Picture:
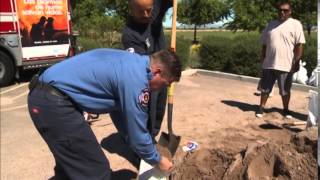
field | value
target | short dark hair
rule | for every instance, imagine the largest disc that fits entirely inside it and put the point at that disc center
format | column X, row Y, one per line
column 170, row 61
column 282, row 2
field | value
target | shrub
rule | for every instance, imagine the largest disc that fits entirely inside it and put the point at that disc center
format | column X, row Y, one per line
column 182, row 49
column 245, row 55
column 310, row 54
column 215, row 53
column 241, row 54
column 85, row 44
column 194, row 59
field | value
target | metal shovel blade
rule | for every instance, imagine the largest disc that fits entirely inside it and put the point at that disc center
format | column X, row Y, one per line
column 170, row 141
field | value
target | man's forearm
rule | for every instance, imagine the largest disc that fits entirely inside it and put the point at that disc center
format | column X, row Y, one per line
column 298, row 50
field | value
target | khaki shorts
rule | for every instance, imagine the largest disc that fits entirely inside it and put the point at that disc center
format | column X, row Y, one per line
column 269, row 77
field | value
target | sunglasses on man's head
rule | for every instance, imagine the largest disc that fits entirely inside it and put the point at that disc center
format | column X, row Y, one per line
column 284, row 10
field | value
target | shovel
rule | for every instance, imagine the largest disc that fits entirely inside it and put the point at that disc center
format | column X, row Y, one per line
column 170, row 140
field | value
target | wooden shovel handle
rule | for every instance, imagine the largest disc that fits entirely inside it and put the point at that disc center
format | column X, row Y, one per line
column 173, row 48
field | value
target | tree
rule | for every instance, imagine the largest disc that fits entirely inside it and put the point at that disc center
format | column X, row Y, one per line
column 306, row 12
column 254, row 15
column 85, row 12
column 201, row 12
column 119, row 7
column 107, row 15
column 251, row 15
column 95, row 20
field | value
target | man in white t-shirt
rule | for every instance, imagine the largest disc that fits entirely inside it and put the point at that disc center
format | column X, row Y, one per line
column 282, row 41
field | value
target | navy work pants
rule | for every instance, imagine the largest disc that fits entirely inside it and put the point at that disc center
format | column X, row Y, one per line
column 76, row 151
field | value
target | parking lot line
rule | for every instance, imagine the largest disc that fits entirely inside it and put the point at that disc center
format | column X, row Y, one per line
column 14, row 108
column 17, row 97
column 14, row 88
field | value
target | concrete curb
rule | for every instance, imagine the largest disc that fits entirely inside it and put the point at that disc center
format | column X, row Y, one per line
column 295, row 86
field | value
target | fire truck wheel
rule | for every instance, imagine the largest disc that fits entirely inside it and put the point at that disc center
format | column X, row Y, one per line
column 6, row 69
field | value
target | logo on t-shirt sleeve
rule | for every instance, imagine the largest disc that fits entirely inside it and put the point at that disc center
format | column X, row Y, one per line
column 144, row 98
column 148, row 43
column 131, row 49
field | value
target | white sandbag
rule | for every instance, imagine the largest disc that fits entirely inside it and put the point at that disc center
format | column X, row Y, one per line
column 301, row 76
column 313, row 116
column 314, row 78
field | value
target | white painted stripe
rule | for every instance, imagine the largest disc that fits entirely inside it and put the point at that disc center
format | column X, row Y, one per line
column 13, row 108
column 19, row 96
column 7, row 13
column 8, row 18
column 13, row 8
column 14, row 88
column 40, row 51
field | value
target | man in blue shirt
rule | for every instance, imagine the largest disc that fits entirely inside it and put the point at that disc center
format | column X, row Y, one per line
column 99, row 81
column 143, row 34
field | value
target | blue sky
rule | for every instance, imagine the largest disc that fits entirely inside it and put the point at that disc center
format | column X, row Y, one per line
column 168, row 19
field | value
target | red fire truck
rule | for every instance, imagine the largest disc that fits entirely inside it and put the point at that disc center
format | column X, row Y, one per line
column 33, row 34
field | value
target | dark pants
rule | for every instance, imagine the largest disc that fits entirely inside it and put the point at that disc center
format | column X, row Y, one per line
column 269, row 77
column 157, row 109
column 75, row 148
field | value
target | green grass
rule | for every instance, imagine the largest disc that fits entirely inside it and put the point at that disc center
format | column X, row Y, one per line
column 200, row 34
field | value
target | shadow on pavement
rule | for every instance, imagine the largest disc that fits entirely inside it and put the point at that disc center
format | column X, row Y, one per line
column 115, row 144
column 241, row 105
column 250, row 107
column 26, row 75
column 269, row 126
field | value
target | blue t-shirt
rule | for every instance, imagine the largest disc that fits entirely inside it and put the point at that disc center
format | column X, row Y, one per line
column 110, row 81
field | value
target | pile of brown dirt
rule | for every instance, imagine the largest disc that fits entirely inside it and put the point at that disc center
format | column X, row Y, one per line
column 205, row 163
column 260, row 160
